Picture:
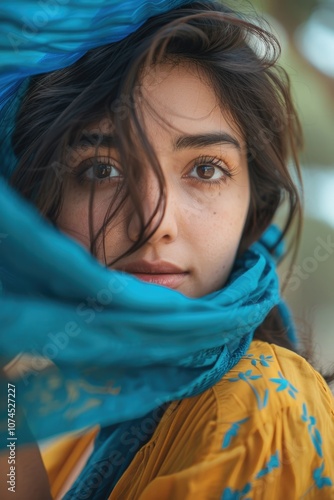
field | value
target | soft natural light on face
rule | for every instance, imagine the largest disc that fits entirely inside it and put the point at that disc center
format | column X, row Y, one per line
column 203, row 160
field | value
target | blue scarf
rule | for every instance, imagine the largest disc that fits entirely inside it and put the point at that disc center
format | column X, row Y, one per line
column 119, row 347
column 97, row 346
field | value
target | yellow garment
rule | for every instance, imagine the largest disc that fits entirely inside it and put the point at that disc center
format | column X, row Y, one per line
column 60, row 458
column 265, row 431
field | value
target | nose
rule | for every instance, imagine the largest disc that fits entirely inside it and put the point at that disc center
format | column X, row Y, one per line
column 168, row 229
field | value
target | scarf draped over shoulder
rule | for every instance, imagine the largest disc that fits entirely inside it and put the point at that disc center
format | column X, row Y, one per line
column 88, row 345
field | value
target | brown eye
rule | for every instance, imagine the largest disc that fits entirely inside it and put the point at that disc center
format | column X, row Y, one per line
column 99, row 170
column 209, row 170
column 205, row 171
column 102, row 171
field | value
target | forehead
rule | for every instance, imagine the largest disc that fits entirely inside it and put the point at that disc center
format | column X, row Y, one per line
column 168, row 85
column 182, row 94
column 174, row 100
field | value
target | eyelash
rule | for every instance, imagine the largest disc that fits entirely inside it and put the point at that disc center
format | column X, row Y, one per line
column 80, row 173
column 216, row 162
column 201, row 161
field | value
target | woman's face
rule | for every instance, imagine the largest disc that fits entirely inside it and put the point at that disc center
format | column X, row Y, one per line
column 203, row 160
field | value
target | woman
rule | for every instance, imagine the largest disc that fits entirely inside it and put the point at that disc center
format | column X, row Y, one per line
column 165, row 155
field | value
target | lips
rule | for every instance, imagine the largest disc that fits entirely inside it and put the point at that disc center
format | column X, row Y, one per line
column 156, row 267
column 158, row 272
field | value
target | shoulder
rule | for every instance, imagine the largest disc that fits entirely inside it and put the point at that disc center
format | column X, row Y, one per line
column 281, row 414
column 250, row 435
column 268, row 384
column 272, row 377
column 272, row 393
column 272, row 386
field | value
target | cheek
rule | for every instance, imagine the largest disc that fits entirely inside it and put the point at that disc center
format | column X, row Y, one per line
column 73, row 219
column 75, row 226
column 218, row 225
column 225, row 214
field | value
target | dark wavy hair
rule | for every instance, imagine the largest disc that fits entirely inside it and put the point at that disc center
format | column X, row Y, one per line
column 240, row 60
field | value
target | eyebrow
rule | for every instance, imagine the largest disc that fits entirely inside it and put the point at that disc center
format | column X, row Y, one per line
column 181, row 142
column 202, row 140
column 97, row 140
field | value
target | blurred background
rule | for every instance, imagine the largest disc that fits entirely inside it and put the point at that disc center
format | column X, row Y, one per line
column 305, row 29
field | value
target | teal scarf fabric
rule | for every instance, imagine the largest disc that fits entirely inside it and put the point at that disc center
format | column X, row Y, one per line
column 39, row 36
column 119, row 347
column 96, row 346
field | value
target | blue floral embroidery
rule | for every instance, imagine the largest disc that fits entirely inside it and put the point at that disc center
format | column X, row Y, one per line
column 313, row 431
column 273, row 463
column 262, row 359
column 246, row 377
column 229, row 494
column 232, row 432
column 319, row 479
column 284, row 384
